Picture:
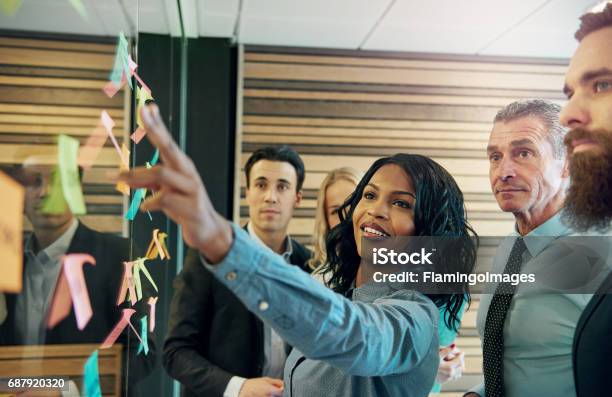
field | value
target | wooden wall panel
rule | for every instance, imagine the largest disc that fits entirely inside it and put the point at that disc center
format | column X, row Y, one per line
column 348, row 108
column 51, row 87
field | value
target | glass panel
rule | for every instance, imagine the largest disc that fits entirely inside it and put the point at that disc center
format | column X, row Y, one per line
column 81, row 289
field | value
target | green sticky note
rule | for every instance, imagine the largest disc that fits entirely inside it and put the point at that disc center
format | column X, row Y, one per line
column 55, row 203
column 68, row 151
column 10, row 7
column 78, row 5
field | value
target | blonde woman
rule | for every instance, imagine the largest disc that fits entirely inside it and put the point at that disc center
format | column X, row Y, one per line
column 335, row 189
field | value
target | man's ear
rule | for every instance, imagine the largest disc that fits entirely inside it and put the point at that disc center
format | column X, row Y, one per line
column 298, row 198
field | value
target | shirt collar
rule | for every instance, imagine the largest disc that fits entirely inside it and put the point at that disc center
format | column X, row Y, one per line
column 288, row 246
column 540, row 237
column 58, row 248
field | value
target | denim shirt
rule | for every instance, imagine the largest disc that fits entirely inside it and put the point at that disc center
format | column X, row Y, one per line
column 381, row 342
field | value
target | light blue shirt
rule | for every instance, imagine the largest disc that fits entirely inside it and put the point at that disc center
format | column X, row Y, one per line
column 539, row 327
column 381, row 341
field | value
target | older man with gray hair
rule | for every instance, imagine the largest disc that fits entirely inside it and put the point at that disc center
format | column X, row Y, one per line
column 527, row 337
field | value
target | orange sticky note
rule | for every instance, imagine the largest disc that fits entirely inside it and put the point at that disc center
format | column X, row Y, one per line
column 122, row 186
column 127, row 285
column 138, row 135
column 61, row 302
column 158, row 246
column 89, row 152
column 11, row 231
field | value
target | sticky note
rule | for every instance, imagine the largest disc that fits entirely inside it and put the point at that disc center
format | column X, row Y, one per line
column 157, row 246
column 90, row 151
column 138, row 135
column 68, row 151
column 11, row 234
column 135, row 204
column 109, row 123
column 138, row 267
column 121, row 65
column 54, row 202
column 127, row 285
column 155, row 157
column 61, row 303
column 10, row 7
column 144, row 340
column 110, row 89
column 122, row 186
column 78, row 5
column 152, row 302
column 123, row 322
column 73, row 269
column 91, row 376
column 133, row 66
column 142, row 96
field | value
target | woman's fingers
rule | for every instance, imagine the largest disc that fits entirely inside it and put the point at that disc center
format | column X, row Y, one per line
column 158, row 178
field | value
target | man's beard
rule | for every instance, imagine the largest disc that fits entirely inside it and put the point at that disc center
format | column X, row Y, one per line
column 588, row 204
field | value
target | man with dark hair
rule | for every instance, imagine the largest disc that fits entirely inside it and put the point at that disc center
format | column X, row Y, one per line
column 588, row 113
column 215, row 346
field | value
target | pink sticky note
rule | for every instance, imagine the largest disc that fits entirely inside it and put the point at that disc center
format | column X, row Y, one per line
column 127, row 285
column 133, row 66
column 108, row 124
column 73, row 269
column 61, row 302
column 138, row 135
column 89, row 152
column 152, row 301
column 124, row 322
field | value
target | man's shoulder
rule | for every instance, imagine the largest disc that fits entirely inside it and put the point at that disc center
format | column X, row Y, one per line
column 300, row 254
column 93, row 241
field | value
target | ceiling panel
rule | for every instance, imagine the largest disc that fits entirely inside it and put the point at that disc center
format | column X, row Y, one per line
column 53, row 16
column 448, row 26
column 314, row 23
column 549, row 32
column 217, row 18
column 153, row 17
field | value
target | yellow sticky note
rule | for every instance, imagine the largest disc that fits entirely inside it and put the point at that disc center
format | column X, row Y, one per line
column 142, row 96
column 78, row 5
column 11, row 230
column 122, row 186
column 68, row 152
column 10, row 7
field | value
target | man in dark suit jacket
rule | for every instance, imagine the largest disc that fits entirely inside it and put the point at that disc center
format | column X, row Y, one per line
column 215, row 346
column 588, row 85
column 52, row 237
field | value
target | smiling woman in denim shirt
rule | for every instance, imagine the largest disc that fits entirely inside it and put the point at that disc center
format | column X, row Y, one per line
column 364, row 339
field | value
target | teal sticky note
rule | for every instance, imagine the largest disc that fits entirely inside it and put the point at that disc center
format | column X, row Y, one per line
column 144, row 344
column 135, row 204
column 91, row 378
column 121, row 67
column 155, row 157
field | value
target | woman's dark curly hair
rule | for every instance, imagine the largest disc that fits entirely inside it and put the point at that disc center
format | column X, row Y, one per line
column 439, row 211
